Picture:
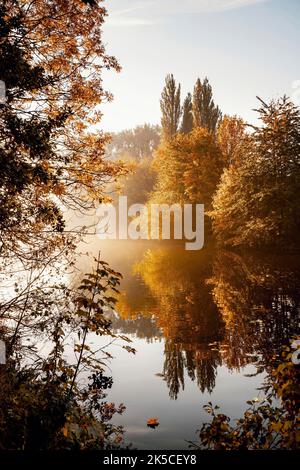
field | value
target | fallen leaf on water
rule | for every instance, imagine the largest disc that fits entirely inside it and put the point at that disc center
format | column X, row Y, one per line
column 152, row 423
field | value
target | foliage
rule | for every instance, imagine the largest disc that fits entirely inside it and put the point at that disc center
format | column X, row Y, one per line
column 265, row 424
column 231, row 134
column 51, row 60
column 170, row 108
column 35, row 414
column 187, row 122
column 189, row 167
column 44, row 405
column 256, row 203
column 206, row 114
column 53, row 83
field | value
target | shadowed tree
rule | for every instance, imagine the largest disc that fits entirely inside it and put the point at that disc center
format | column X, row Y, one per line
column 187, row 115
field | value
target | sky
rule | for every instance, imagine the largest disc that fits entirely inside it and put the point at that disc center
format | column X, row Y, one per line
column 245, row 47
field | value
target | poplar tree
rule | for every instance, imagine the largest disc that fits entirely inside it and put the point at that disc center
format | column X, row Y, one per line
column 206, row 113
column 170, row 107
column 187, row 115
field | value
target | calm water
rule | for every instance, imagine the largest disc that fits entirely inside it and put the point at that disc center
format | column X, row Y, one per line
column 199, row 321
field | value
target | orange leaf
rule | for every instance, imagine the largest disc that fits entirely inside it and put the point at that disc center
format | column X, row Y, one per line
column 152, row 422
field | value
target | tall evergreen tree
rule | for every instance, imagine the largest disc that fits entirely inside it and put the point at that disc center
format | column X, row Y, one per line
column 170, row 107
column 206, row 113
column 187, row 115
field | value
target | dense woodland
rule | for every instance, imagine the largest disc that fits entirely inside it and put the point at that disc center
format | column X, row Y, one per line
column 52, row 58
column 247, row 176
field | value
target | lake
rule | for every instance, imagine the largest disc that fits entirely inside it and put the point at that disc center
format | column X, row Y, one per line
column 199, row 321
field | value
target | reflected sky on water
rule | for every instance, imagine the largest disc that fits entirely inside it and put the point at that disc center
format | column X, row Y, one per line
column 199, row 321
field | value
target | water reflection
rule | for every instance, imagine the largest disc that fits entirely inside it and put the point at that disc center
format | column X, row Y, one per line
column 210, row 309
column 258, row 297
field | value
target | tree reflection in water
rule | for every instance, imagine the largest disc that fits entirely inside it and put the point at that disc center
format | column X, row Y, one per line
column 212, row 309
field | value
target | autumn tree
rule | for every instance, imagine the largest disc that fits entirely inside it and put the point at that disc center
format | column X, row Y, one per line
column 187, row 115
column 203, row 170
column 256, row 203
column 168, row 163
column 51, row 61
column 231, row 133
column 170, row 106
column 189, row 168
column 206, row 113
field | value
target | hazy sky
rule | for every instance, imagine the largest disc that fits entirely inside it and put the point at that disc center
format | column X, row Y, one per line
column 245, row 47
